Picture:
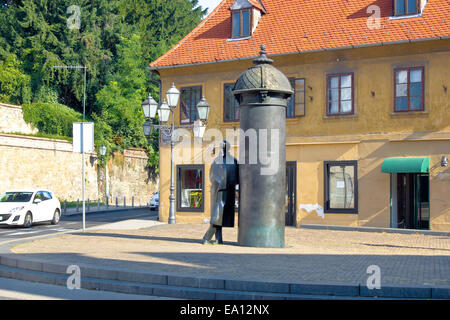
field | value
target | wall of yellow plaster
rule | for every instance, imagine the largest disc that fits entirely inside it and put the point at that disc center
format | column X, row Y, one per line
column 371, row 135
column 373, row 70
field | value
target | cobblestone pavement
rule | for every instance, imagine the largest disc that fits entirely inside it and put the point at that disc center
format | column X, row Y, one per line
column 310, row 255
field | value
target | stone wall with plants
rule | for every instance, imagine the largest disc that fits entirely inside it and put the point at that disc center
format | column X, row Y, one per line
column 11, row 120
column 35, row 162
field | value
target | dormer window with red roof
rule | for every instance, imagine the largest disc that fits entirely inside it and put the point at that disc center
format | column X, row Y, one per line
column 407, row 7
column 245, row 15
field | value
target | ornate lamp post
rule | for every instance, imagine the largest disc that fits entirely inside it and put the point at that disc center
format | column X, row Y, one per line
column 102, row 151
column 165, row 110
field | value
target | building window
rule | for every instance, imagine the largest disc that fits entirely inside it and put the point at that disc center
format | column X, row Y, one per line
column 340, row 94
column 241, row 23
column 190, row 187
column 409, row 89
column 190, row 97
column 406, row 7
column 230, row 104
column 341, row 186
column 296, row 104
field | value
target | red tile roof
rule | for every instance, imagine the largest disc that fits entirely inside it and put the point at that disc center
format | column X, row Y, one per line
column 293, row 26
column 257, row 4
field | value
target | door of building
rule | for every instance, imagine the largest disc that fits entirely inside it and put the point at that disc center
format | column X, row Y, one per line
column 291, row 193
column 412, row 201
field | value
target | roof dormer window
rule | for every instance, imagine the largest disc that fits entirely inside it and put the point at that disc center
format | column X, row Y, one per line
column 406, row 7
column 245, row 15
column 242, row 23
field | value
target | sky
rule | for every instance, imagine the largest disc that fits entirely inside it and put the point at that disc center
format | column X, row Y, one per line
column 210, row 4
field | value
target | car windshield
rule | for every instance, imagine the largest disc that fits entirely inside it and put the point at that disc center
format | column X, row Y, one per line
column 16, row 197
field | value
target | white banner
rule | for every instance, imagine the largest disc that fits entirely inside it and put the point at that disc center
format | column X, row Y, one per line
column 83, row 137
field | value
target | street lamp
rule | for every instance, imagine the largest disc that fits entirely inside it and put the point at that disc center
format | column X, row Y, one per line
column 173, row 95
column 149, row 106
column 102, row 150
column 203, row 109
column 165, row 110
column 203, row 114
column 147, row 128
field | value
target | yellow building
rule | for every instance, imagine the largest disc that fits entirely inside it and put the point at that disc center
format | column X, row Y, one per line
column 368, row 130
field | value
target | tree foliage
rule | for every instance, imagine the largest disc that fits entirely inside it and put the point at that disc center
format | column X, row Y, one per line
column 14, row 83
column 116, row 40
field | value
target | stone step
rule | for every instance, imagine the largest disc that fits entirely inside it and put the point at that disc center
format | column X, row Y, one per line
column 155, row 290
column 194, row 287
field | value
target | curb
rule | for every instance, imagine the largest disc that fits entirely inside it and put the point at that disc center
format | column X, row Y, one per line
column 194, row 287
column 376, row 230
column 110, row 209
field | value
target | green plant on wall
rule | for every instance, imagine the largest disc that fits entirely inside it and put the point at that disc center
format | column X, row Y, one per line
column 50, row 118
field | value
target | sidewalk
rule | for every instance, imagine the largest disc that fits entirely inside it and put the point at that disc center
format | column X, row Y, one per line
column 96, row 208
column 318, row 256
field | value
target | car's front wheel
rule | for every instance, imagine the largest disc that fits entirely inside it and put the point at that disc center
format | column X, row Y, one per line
column 56, row 217
column 28, row 222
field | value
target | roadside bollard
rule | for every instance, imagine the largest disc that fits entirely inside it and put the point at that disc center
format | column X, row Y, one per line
column 132, row 201
column 117, row 202
column 124, row 201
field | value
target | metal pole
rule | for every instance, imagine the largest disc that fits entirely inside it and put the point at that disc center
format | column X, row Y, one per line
column 82, row 127
column 172, row 219
column 82, row 144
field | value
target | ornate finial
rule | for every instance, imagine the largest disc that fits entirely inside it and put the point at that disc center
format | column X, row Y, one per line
column 263, row 49
column 263, row 59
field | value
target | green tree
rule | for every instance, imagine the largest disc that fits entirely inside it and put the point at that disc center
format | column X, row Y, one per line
column 37, row 31
column 161, row 23
column 14, row 83
column 37, row 34
column 121, row 99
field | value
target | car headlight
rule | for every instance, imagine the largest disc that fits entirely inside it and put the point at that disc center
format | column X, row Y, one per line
column 15, row 210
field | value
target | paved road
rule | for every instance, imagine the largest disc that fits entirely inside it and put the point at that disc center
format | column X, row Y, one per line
column 72, row 223
column 11, row 289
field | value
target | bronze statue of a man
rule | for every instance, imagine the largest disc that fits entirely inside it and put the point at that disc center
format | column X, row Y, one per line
column 224, row 176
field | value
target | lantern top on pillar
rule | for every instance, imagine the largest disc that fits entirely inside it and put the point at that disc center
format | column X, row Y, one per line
column 263, row 77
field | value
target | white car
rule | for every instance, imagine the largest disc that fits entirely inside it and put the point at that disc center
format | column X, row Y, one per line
column 25, row 207
column 154, row 202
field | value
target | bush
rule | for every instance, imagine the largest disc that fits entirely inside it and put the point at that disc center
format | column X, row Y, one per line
column 47, row 95
column 48, row 118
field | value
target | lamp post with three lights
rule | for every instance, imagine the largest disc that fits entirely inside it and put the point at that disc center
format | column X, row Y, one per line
column 165, row 110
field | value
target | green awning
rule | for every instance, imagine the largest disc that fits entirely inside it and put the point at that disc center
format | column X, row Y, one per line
column 406, row 165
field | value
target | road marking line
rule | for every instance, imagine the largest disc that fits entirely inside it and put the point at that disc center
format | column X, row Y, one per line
column 9, row 231
column 36, row 237
column 24, row 232
column 60, row 229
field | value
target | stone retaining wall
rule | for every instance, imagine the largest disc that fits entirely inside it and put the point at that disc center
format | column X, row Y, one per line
column 11, row 120
column 34, row 162
column 31, row 162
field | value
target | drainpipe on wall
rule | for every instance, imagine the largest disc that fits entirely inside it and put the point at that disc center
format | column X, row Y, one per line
column 152, row 72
